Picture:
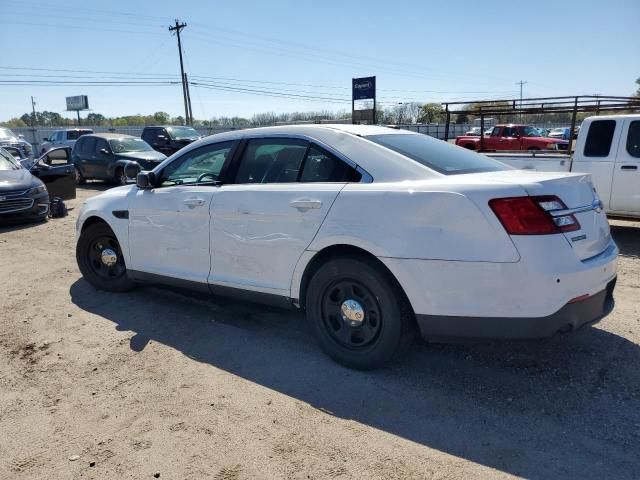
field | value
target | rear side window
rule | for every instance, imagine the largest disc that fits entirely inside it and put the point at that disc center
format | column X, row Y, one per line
column 88, row 146
column 321, row 166
column 271, row 160
column 633, row 139
column 436, row 154
column 599, row 138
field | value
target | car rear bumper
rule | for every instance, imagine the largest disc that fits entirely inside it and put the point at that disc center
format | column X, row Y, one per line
column 569, row 318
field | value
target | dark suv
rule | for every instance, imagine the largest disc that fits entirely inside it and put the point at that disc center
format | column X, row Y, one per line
column 169, row 139
column 104, row 156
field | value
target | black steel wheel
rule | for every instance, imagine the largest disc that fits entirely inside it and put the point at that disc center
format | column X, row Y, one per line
column 360, row 315
column 100, row 259
column 351, row 313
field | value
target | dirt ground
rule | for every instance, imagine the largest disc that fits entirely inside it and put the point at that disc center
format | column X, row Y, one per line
column 157, row 384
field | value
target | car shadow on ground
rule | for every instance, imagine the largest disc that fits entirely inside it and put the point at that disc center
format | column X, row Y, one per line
column 564, row 408
column 628, row 239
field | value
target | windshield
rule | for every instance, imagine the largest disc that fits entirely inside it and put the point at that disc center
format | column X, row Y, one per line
column 6, row 133
column 436, row 154
column 178, row 133
column 7, row 162
column 122, row 145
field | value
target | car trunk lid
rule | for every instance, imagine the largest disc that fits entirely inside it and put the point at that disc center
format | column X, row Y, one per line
column 580, row 197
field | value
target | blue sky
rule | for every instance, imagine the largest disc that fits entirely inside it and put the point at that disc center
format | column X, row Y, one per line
column 419, row 50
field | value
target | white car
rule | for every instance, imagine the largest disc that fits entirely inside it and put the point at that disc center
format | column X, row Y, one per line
column 376, row 233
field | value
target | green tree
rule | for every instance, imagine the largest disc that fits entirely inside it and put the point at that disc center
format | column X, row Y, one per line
column 161, row 117
column 638, row 90
column 95, row 119
column 430, row 113
column 14, row 123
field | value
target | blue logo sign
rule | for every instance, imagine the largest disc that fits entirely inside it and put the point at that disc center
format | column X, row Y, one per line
column 363, row 88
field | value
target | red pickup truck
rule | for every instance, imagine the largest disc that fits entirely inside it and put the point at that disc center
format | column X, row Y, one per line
column 512, row 137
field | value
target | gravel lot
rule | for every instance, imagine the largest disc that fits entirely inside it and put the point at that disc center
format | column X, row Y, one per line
column 100, row 385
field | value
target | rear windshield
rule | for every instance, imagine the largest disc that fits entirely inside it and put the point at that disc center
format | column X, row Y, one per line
column 438, row 155
column 75, row 134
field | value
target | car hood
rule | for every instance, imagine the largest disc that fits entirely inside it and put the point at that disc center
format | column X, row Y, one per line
column 16, row 179
column 149, row 156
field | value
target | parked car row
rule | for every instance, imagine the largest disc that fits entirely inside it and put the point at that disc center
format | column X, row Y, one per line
column 28, row 186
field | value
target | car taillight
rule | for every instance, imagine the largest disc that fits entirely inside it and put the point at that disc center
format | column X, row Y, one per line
column 533, row 215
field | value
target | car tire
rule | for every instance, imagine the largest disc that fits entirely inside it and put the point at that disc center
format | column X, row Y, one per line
column 368, row 333
column 100, row 259
column 533, row 149
column 470, row 146
column 121, row 177
column 80, row 180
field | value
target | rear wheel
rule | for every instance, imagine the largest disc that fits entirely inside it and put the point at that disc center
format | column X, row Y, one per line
column 80, row 180
column 533, row 149
column 470, row 146
column 100, row 259
column 360, row 317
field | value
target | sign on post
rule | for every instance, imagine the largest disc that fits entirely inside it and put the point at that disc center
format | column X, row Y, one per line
column 77, row 103
column 363, row 91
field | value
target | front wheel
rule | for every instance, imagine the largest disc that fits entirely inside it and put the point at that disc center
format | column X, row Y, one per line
column 121, row 177
column 360, row 317
column 100, row 259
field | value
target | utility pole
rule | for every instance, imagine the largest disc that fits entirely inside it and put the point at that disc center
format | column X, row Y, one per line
column 521, row 83
column 33, row 120
column 178, row 28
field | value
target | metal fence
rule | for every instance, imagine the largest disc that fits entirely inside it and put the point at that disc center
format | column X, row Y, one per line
column 37, row 135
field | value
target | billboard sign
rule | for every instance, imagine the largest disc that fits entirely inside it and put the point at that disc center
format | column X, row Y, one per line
column 79, row 102
column 363, row 88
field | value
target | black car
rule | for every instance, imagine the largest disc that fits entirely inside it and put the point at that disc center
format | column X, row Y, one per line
column 25, row 193
column 169, row 139
column 104, row 156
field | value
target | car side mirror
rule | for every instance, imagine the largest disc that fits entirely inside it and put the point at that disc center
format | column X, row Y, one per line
column 131, row 170
column 145, row 180
column 45, row 139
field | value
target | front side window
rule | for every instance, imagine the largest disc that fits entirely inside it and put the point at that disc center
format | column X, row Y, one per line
column 321, row 166
column 495, row 132
column 531, row 132
column 509, row 132
column 274, row 160
column 101, row 144
column 202, row 165
column 125, row 145
column 633, row 139
column 599, row 138
column 437, row 155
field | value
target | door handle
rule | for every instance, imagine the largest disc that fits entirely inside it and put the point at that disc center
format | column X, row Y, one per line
column 193, row 202
column 629, row 167
column 305, row 204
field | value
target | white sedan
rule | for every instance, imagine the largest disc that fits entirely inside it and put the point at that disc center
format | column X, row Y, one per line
column 376, row 233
